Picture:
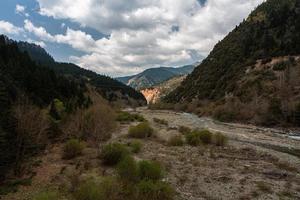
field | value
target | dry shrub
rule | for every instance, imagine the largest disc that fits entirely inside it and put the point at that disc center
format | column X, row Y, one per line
column 94, row 124
column 176, row 140
column 142, row 130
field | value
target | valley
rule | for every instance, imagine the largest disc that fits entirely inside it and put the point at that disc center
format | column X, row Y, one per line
column 252, row 164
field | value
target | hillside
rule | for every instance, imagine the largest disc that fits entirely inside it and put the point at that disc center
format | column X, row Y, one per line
column 155, row 76
column 109, row 88
column 155, row 93
column 252, row 74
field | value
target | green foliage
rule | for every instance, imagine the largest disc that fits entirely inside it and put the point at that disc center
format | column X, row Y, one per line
column 198, row 137
column 220, row 139
column 57, row 109
column 150, row 170
column 281, row 66
column 161, row 121
column 135, row 146
column 142, row 130
column 72, row 149
column 113, row 153
column 176, row 140
column 150, row 190
column 128, row 169
column 128, row 117
column 12, row 186
column 47, row 195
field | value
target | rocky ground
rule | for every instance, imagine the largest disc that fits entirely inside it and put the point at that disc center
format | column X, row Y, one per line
column 256, row 163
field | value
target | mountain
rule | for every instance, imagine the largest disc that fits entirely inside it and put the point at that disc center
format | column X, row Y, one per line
column 108, row 87
column 155, row 93
column 154, row 76
column 252, row 75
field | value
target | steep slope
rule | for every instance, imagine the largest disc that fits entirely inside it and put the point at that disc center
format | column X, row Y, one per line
column 155, row 93
column 154, row 76
column 109, row 88
column 231, row 70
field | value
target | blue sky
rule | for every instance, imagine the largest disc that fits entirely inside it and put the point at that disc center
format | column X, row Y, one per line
column 119, row 38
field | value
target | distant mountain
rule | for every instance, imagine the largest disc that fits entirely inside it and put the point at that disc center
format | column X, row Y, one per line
column 253, row 74
column 109, row 88
column 154, row 76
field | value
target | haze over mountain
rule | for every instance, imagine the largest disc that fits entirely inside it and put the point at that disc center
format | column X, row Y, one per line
column 155, row 76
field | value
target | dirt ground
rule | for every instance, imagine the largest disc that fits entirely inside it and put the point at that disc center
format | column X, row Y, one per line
column 255, row 164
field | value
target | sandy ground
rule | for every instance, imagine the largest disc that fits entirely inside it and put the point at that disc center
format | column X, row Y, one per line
column 256, row 164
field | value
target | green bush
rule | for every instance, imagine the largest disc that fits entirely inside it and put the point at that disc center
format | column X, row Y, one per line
column 220, row 139
column 47, row 195
column 193, row 138
column 175, row 140
column 184, row 129
column 72, row 149
column 128, row 169
column 205, row 136
column 128, row 117
column 113, row 153
column 135, row 146
column 142, row 130
column 150, row 190
column 150, row 170
column 161, row 121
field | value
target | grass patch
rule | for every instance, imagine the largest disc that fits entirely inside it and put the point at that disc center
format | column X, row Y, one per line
column 220, row 139
column 149, row 170
column 176, row 140
column 47, row 195
column 150, row 190
column 142, row 130
column 72, row 149
column 128, row 169
column 113, row 153
column 198, row 137
column 184, row 129
column 135, row 146
column 161, row 121
column 128, row 117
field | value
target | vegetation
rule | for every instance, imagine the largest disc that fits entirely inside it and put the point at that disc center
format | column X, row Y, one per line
column 184, row 129
column 198, row 137
column 135, row 146
column 128, row 117
column 150, row 190
column 47, row 195
column 72, row 149
column 176, row 140
column 113, row 153
column 128, row 169
column 161, row 121
column 150, row 170
column 142, row 130
column 220, row 139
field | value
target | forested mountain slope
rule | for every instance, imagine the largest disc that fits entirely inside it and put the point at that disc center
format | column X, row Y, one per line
column 252, row 65
column 109, row 88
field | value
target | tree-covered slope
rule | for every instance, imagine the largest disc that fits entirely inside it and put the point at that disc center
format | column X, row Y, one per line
column 108, row 87
column 272, row 30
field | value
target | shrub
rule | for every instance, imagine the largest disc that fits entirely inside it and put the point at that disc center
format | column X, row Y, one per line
column 128, row 117
column 193, row 138
column 184, row 129
column 149, row 190
column 47, row 195
column 150, row 170
column 113, row 153
column 135, row 146
column 103, row 189
column 205, row 136
column 128, row 169
column 175, row 140
column 220, row 139
column 161, row 121
column 72, row 149
column 142, row 130
column 264, row 187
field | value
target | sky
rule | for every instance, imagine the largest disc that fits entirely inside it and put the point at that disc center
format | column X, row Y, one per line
column 123, row 37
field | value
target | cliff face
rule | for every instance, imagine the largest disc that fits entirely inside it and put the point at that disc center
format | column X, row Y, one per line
column 151, row 95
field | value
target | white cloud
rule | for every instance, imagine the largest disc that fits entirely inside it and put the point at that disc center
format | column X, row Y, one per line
column 21, row 10
column 8, row 28
column 140, row 31
column 39, row 43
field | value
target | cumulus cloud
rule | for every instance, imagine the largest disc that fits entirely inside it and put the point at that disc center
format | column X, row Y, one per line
column 9, row 28
column 21, row 10
column 143, row 33
column 39, row 43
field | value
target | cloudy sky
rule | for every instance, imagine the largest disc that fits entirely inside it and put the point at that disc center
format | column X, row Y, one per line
column 123, row 37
